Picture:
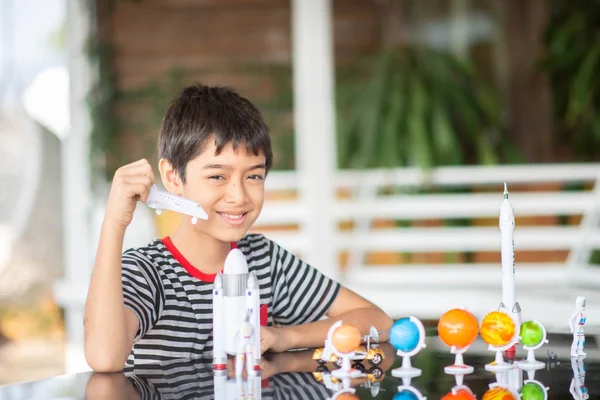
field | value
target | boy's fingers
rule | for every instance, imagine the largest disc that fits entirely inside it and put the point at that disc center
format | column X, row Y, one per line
column 136, row 191
column 139, row 179
column 263, row 345
column 139, row 169
column 140, row 161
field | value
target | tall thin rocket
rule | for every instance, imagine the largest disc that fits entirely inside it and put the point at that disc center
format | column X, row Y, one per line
column 509, row 302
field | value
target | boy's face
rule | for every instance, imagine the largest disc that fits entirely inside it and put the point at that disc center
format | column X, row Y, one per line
column 230, row 188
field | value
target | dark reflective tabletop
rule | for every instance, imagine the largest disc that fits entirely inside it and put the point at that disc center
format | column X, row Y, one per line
column 295, row 375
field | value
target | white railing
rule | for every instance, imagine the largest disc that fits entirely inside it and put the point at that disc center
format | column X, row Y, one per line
column 363, row 203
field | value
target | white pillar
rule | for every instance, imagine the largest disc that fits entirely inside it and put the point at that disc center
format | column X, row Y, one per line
column 76, row 187
column 459, row 31
column 314, row 111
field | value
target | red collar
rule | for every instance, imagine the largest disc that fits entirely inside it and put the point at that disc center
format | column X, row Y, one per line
column 195, row 272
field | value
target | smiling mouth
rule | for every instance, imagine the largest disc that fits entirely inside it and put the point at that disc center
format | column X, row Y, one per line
column 233, row 219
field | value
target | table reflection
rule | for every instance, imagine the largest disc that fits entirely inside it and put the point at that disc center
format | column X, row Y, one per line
column 290, row 375
column 297, row 375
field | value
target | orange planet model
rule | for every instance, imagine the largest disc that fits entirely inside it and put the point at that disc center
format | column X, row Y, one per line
column 346, row 338
column 459, row 395
column 498, row 393
column 458, row 327
column 347, row 396
column 497, row 329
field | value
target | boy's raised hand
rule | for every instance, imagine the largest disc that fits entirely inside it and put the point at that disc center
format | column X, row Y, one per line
column 131, row 184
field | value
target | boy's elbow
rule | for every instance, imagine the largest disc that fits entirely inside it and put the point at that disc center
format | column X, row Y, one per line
column 104, row 362
column 101, row 359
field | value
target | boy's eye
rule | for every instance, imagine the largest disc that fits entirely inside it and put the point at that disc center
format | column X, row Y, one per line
column 218, row 177
column 258, row 177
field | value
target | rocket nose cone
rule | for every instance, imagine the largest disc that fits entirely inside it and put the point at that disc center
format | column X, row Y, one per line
column 219, row 281
column 235, row 263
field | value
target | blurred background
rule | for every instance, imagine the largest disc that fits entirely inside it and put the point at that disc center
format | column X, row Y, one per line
column 395, row 124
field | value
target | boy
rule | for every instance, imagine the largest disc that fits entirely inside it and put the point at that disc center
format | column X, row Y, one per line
column 154, row 303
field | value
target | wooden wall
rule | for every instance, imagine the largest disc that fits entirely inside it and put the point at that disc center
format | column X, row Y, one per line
column 212, row 39
column 151, row 37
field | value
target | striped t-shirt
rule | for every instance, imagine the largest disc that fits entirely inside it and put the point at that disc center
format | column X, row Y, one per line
column 173, row 300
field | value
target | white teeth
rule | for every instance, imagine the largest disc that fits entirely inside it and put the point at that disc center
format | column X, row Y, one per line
column 232, row 216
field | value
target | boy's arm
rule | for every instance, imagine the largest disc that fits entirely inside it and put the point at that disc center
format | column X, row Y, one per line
column 110, row 327
column 347, row 306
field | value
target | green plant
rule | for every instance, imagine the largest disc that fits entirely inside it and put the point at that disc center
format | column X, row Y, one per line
column 572, row 39
column 411, row 105
column 101, row 99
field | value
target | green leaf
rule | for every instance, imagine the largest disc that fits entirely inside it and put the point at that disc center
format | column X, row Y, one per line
column 391, row 131
column 446, row 143
column 596, row 129
column 583, row 88
column 369, row 124
column 421, row 152
column 485, row 151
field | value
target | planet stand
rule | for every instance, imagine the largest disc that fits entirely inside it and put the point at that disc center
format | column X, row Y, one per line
column 407, row 388
column 530, row 363
column 539, row 389
column 499, row 365
column 406, row 370
column 459, row 369
column 346, row 370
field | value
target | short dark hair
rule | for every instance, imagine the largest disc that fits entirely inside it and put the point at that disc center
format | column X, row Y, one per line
column 202, row 112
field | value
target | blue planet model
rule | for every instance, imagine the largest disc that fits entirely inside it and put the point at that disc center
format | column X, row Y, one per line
column 404, row 335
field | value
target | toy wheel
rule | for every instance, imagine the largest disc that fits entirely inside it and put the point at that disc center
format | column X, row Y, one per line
column 376, row 372
column 322, row 368
column 376, row 360
column 359, row 367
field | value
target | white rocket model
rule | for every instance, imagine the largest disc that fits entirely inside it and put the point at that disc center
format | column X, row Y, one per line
column 163, row 200
column 236, row 315
column 227, row 388
column 509, row 302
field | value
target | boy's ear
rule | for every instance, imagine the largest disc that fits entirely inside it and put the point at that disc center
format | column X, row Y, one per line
column 170, row 178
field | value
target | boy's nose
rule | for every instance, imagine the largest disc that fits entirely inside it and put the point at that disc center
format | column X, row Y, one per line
column 235, row 194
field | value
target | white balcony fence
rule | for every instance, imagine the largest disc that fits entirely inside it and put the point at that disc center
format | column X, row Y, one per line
column 571, row 193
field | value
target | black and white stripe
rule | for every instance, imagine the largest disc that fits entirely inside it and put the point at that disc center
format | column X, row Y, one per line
column 175, row 308
column 194, row 379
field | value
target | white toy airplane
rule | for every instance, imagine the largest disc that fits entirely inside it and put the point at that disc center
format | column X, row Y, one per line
column 163, row 200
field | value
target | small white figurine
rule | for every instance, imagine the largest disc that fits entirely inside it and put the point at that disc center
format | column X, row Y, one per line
column 576, row 323
column 163, row 200
column 578, row 389
column 245, row 351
